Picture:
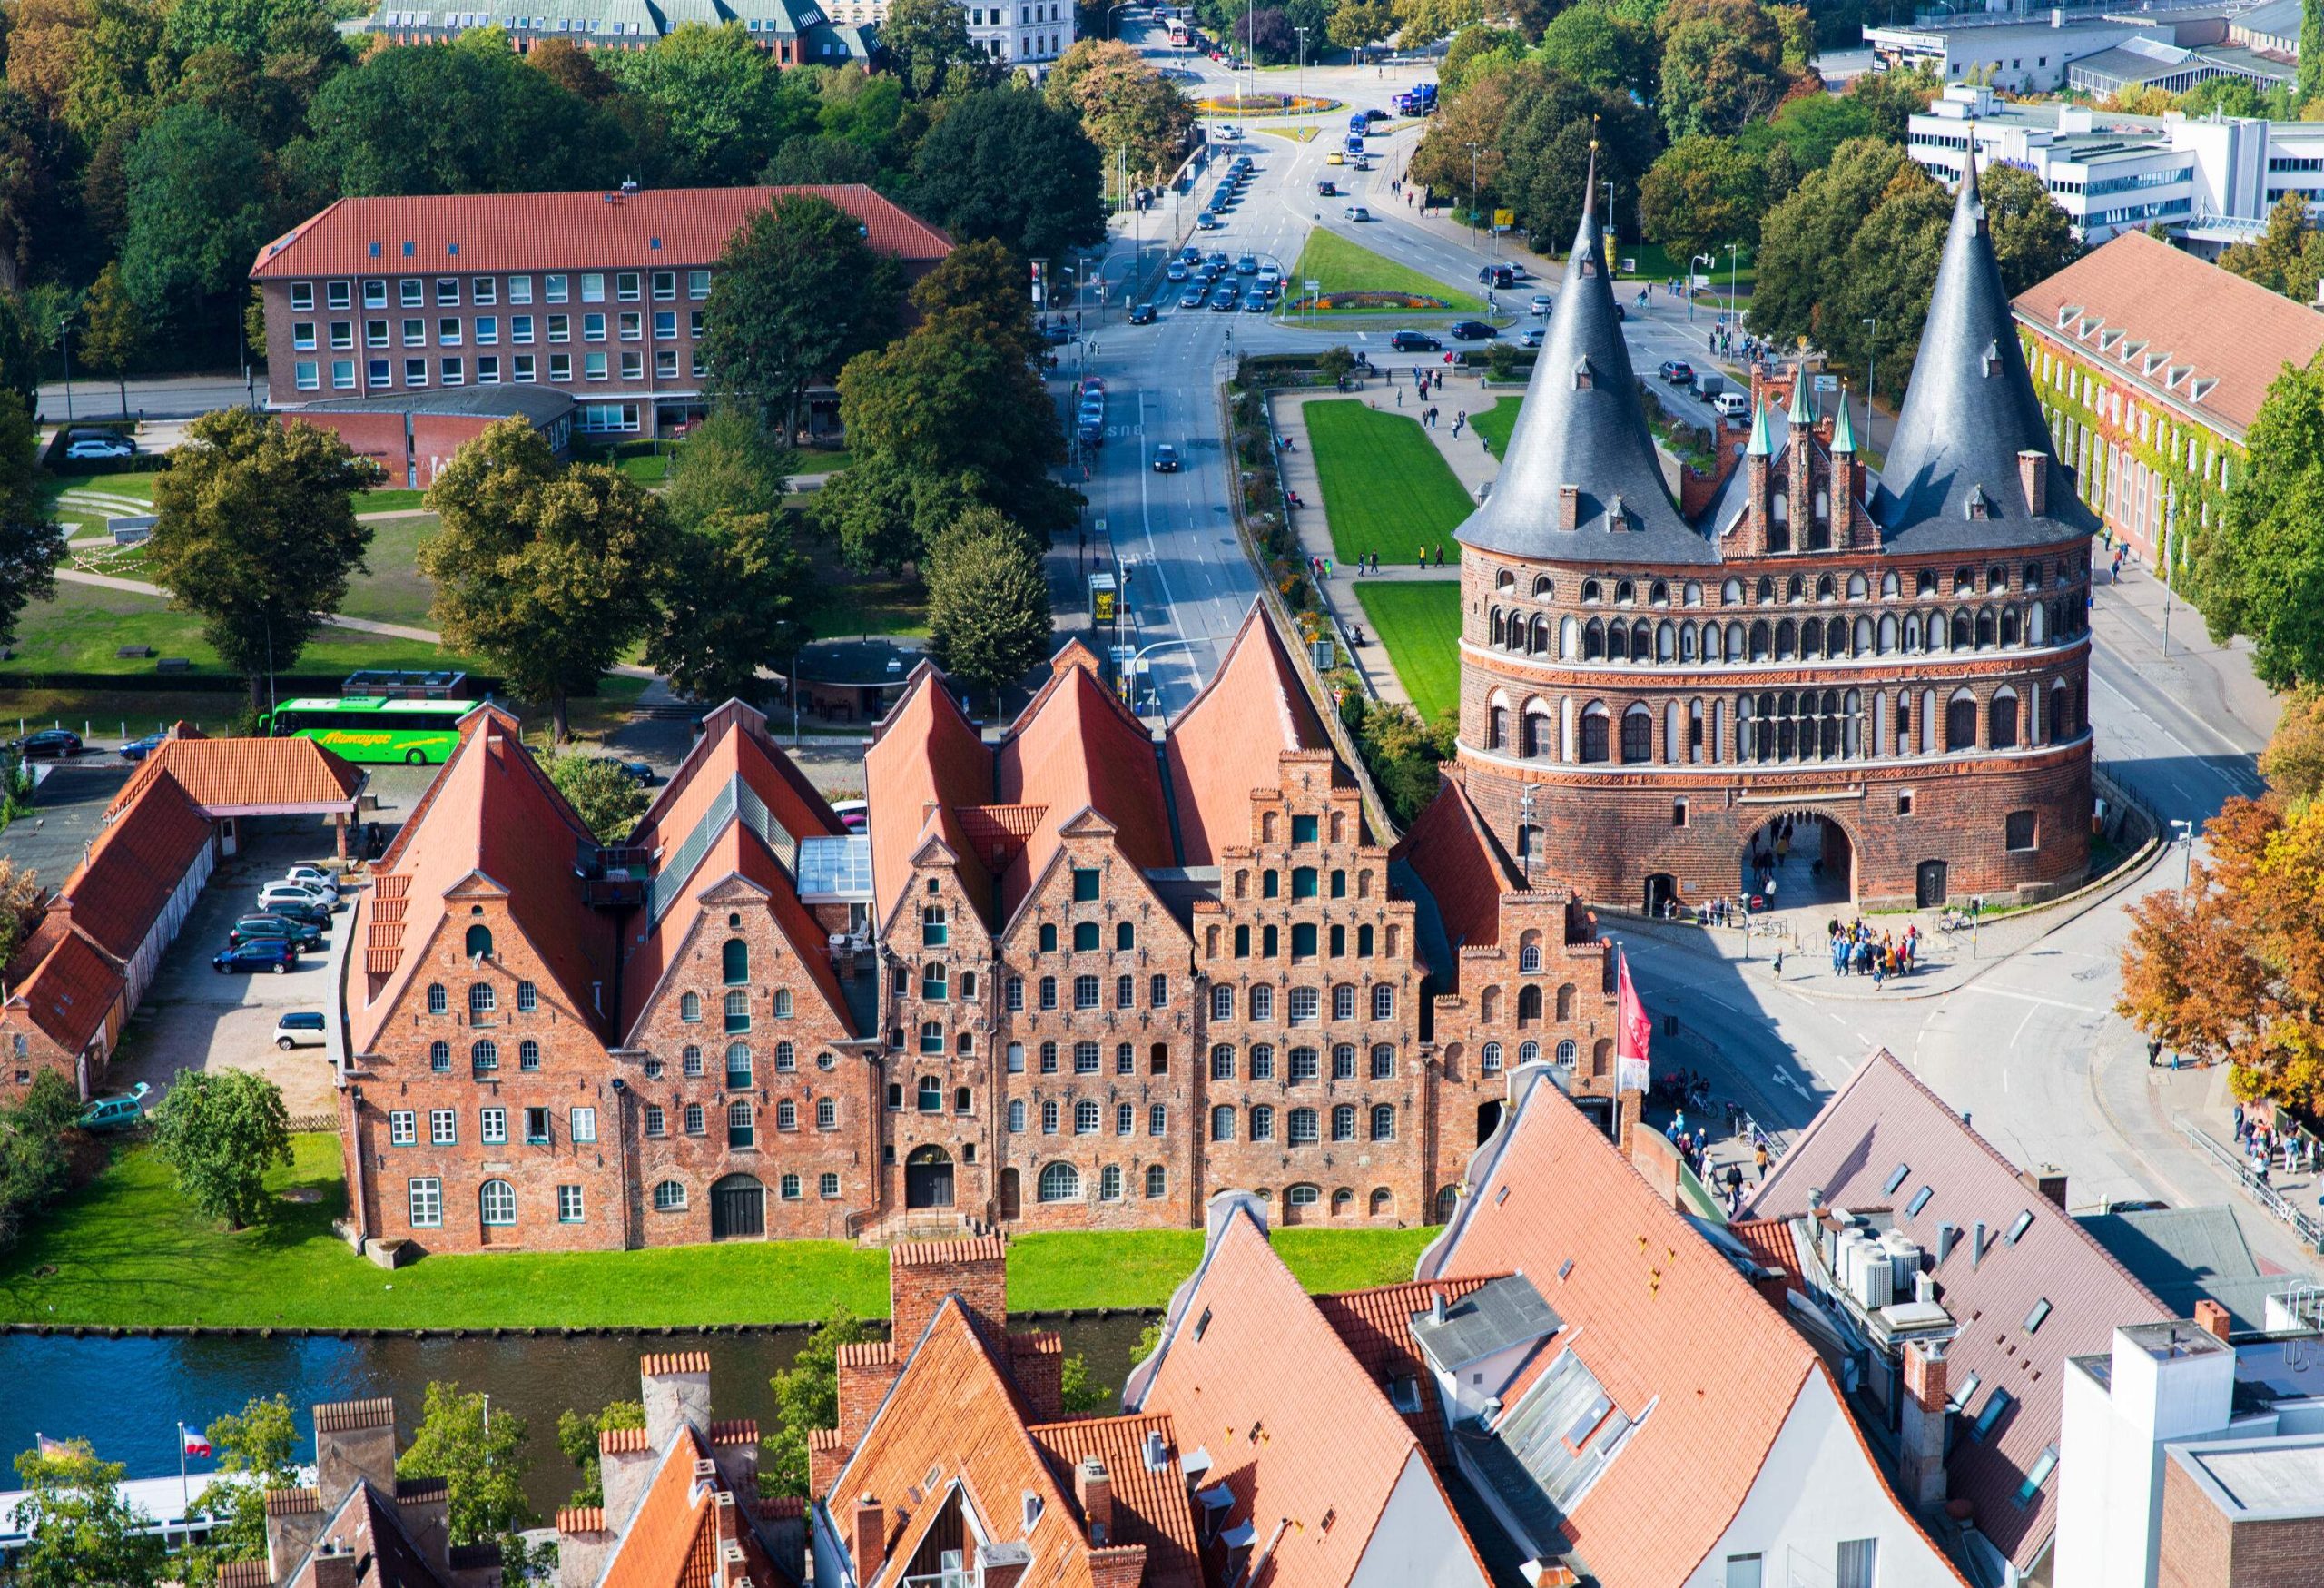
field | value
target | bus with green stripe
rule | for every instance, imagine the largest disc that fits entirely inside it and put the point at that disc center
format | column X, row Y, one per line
column 371, row 728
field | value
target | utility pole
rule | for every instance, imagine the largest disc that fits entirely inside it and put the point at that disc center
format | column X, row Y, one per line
column 1473, row 193
column 1871, row 371
column 64, row 340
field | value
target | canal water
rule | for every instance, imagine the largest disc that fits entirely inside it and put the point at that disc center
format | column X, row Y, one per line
column 127, row 1397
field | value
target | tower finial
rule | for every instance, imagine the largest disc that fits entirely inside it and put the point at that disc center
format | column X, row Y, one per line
column 1843, row 427
column 1803, row 411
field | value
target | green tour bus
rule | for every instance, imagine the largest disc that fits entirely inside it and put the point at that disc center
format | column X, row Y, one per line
column 373, row 728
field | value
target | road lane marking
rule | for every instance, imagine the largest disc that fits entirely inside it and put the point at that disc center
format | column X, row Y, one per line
column 2031, row 998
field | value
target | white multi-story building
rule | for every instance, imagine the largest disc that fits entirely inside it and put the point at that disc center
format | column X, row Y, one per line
column 1018, row 32
column 2211, row 181
column 2027, row 48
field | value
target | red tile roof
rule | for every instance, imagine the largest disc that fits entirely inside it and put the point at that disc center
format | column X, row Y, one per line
column 2161, row 301
column 1294, row 1426
column 1659, row 1318
column 1228, row 740
column 133, row 865
column 1376, row 1326
column 1461, row 864
column 1151, row 1504
column 1075, row 747
column 234, row 777
column 664, row 228
column 925, row 752
column 491, row 813
column 1884, row 1118
column 735, row 742
column 72, row 988
column 674, row 1538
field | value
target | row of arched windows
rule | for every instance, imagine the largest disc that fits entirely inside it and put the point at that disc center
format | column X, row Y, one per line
column 1963, row 580
column 1062, row 1182
column 1303, row 1127
column 1787, row 639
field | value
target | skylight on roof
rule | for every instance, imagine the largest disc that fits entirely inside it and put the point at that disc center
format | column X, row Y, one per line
column 2019, row 1226
column 2034, row 1319
column 1896, row 1179
column 1919, row 1201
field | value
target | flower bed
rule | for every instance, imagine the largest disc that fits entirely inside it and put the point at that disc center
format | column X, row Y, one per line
column 1359, row 302
column 1266, row 104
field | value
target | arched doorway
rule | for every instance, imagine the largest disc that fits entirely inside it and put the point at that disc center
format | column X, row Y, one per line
column 737, row 1208
column 1805, row 855
column 1487, row 1121
column 928, row 1177
column 1661, row 888
column 1929, row 885
column 1011, row 1197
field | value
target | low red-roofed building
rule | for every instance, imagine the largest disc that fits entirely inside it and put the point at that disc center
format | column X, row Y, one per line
column 360, row 1524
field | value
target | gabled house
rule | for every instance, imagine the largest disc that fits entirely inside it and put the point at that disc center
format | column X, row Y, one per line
column 360, row 1525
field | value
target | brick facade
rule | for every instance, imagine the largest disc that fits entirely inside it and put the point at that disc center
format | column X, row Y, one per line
column 2201, row 1547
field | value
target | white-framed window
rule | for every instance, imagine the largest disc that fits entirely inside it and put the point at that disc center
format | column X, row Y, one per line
column 339, row 294
column 657, row 1123
column 381, row 372
column 632, row 327
column 520, row 328
column 520, row 368
column 375, row 333
column 497, row 1204
column 1059, row 1182
column 443, row 1126
column 415, row 371
column 568, row 1204
column 403, row 1128
column 560, row 328
column 553, row 289
column 665, row 285
column 303, row 296
column 666, row 325
column 665, row 366
column 451, row 371
column 488, row 330
column 1306, row 1006
column 633, row 366
column 342, row 374
column 483, row 291
column 593, row 286
column 425, row 1193
column 593, row 328
column 593, row 367
column 697, row 283
column 306, row 375
column 520, row 289
column 828, row 1185
column 415, row 331
column 342, row 334
column 669, row 1197
column 560, row 368
column 585, row 1124
column 487, row 369
column 791, row 1188
column 494, row 1127
column 626, row 286
column 447, row 291
column 412, row 292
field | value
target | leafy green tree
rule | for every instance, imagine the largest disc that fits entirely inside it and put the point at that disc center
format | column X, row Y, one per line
column 1421, row 23
column 1357, row 24
column 79, row 1533
column 1805, row 247
column 716, row 95
column 1334, row 363
column 733, row 604
column 983, row 286
column 2034, row 239
column 1722, row 65
column 197, row 214
column 547, row 570
column 607, row 799
column 1810, row 127
column 1472, row 42
column 220, row 1130
column 869, row 110
column 1701, row 194
column 33, row 1167
column 1893, row 98
column 989, row 619
column 2287, row 256
column 806, row 1397
column 797, row 293
column 30, row 542
column 2309, row 81
column 2258, row 567
column 2293, row 761
column 251, row 28
column 1077, row 1395
column 480, row 1456
column 115, row 335
column 1123, row 104
column 926, row 39
column 885, row 515
column 1003, row 164
column 1591, row 44
column 577, row 1436
column 1548, row 142
column 255, row 532
column 20, row 903
column 258, row 1444
column 731, row 464
column 820, row 158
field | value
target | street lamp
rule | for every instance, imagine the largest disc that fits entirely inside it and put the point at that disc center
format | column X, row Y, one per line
column 1109, row 17
column 1473, row 193
column 64, row 340
column 1711, row 259
column 1871, row 371
column 2185, row 832
column 1733, row 292
column 1302, row 60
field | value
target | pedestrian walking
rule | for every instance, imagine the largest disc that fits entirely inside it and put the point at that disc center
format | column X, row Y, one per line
column 1759, row 1159
column 1778, row 962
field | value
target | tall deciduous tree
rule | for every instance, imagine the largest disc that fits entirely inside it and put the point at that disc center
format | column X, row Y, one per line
column 197, row 215
column 806, row 1397
column 259, row 1446
column 114, row 334
column 606, row 797
column 254, row 530
column 1703, row 193
column 2258, row 567
column 30, row 542
column 926, row 39
column 982, row 285
column 1591, row 43
column 79, row 1532
column 885, row 515
column 546, row 570
column 1358, row 24
column 480, row 1456
column 731, row 606
column 1124, row 104
column 717, row 98
column 1722, row 65
column 989, row 619
column 798, row 292
column 2287, row 256
column 33, row 1163
column 220, row 1130
column 1003, row 164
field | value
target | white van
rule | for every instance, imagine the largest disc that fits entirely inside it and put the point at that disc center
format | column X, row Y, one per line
column 1732, row 405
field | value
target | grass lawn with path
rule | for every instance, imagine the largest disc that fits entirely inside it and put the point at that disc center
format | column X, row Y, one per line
column 127, row 1251
column 1419, row 621
column 1386, row 486
column 80, row 630
column 1342, row 266
column 1495, row 423
column 394, row 591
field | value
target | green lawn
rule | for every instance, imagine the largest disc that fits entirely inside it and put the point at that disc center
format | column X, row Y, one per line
column 80, row 628
column 128, row 1252
column 1386, row 486
column 1495, row 424
column 394, row 591
column 1420, row 623
column 852, row 605
column 818, row 461
column 1349, row 267
column 389, row 500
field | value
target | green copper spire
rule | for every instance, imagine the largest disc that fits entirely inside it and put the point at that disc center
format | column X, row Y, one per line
column 1802, row 411
column 1843, row 427
column 1763, row 437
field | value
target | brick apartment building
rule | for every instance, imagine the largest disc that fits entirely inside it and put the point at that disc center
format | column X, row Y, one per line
column 1898, row 666
column 600, row 296
column 2152, row 365
column 1074, row 977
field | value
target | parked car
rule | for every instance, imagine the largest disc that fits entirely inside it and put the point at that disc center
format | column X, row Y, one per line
column 315, row 877
column 60, row 743
column 138, row 749
column 1414, row 342
column 96, row 448
column 1142, row 315
column 1533, row 336
column 1355, row 212
column 261, row 953
column 1209, row 222
column 1678, row 371
column 254, row 927
column 306, row 911
column 288, row 896
column 298, row 1027
column 120, row 1113
column 1472, row 330
column 1540, row 305
column 1166, row 459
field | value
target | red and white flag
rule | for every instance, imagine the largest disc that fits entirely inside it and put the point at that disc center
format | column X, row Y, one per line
column 1634, row 1031
column 191, row 1442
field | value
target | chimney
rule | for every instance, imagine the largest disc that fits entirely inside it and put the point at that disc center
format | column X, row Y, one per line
column 1122, row 1566
column 1977, row 1246
column 870, row 1538
column 333, row 1567
column 625, row 1465
column 868, row 1369
column 734, row 1446
column 2050, row 1181
column 293, row 1518
column 1436, row 1308
column 355, row 1443
column 1920, row 1434
column 1001, row 1565
column 827, row 1457
column 675, row 1388
column 424, row 1507
column 583, row 1542
column 1093, row 1487
column 2211, row 1318
column 1568, row 506
column 920, row 1274
column 2033, row 475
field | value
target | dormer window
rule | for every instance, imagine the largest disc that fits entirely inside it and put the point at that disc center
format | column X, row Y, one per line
column 1585, row 376
column 1992, row 359
column 1980, row 505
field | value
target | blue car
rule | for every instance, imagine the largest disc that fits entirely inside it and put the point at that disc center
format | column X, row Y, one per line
column 259, row 953
column 138, row 749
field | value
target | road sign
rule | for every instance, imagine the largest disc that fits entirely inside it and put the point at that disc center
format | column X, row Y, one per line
column 1827, row 383
column 1312, row 286
column 1502, row 220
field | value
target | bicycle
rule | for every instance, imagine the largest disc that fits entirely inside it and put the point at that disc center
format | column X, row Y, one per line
column 1955, row 921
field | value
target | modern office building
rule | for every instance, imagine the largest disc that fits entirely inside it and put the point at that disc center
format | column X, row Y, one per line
column 2034, row 49
column 798, row 33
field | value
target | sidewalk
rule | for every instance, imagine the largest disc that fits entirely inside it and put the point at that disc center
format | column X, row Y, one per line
column 2214, row 681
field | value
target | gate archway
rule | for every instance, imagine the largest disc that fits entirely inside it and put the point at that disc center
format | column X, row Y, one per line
column 928, row 1177
column 1807, row 854
column 737, row 1209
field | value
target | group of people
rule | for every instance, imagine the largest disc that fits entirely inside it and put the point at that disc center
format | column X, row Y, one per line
column 1694, row 1150
column 1858, row 951
column 2266, row 1147
column 1722, row 343
column 1369, row 563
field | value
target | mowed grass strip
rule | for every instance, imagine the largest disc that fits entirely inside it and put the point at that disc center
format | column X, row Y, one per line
column 127, row 1251
column 1495, row 424
column 1420, row 623
column 1342, row 266
column 1385, row 485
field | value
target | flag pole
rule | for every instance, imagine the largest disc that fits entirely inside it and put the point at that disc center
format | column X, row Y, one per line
column 186, row 1492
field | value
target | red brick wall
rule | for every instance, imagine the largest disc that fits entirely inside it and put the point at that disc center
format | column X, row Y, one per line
column 963, row 1033
column 920, row 1275
column 866, row 1372
column 2202, row 1548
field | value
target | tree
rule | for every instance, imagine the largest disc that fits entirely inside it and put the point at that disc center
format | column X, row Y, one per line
column 1268, row 36
column 988, row 619
column 1475, row 42
column 1003, row 164
column 259, row 1444
column 547, row 570
column 79, row 1533
column 33, row 1167
column 732, row 604
column 606, row 797
column 1124, row 104
column 732, row 463
column 715, row 95
column 1076, row 1396
column 1334, row 363
column 1592, row 46
column 30, row 542
column 1549, row 129
column 254, row 530
column 577, row 1436
column 1703, row 193
column 1893, row 98
column 2293, row 761
column 818, row 159
column 885, row 515
column 20, row 902
column 1357, row 24
column 1722, row 65
column 1805, row 248
column 1810, row 128
column 2287, row 258
column 115, row 334
column 806, row 1397
column 925, row 39
column 480, row 1457
column 1421, row 23
column 197, row 214
column 980, row 285
column 2258, row 567
column 798, row 291
column 220, row 1130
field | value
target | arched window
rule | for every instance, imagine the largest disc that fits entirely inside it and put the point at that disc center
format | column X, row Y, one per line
column 1964, row 630
column 1539, row 739
column 669, row 1197
column 1539, row 644
column 1262, row 1123
column 1838, row 634
column 2059, row 728
column 1528, row 954
column 1618, row 642
column 1503, row 580
column 2001, row 722
column 1858, row 589
column 479, row 943
column 738, row 1012
column 734, row 962
column 1625, row 593
column 1591, row 592
column 497, row 1204
column 1762, row 640
column 1811, row 638
column 1085, row 1117
column 1494, row 629
column 1961, row 721
column 1497, row 725
column 1528, row 1007
column 2013, row 627
column 1889, row 588
column 437, row 1002
column 1593, row 641
column 738, row 1066
column 1637, row 734
column 484, row 1056
column 1158, row 1180
column 1593, row 733
column 1059, row 1182
column 1666, row 642
column 1687, row 652
column 482, row 1000
column 1222, row 1123
column 1567, row 1053
column 1985, row 629
column 1384, row 1123
column 690, row 1006
column 1570, row 638
column 1885, row 641
column 1085, row 936
column 1344, row 1123
column 1641, row 640
column 1489, row 1059
column 1657, row 594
